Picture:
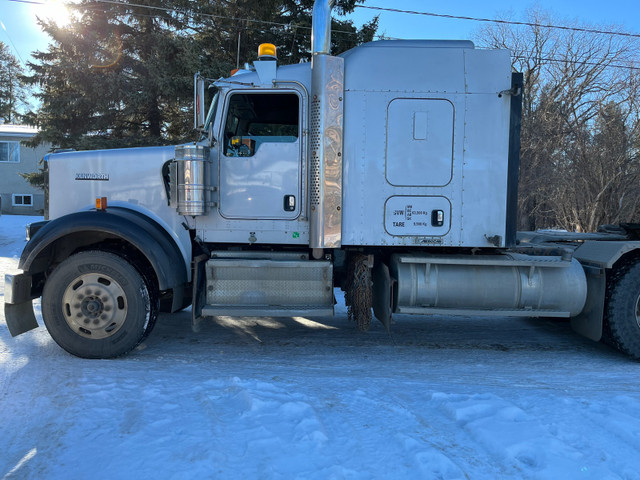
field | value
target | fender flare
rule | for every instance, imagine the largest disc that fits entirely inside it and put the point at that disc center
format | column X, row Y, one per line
column 146, row 235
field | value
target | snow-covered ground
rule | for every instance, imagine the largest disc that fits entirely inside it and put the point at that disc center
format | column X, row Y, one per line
column 284, row 398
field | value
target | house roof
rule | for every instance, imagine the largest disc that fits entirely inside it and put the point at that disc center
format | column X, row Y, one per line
column 17, row 131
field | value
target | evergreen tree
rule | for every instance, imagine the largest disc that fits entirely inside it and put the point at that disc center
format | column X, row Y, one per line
column 121, row 74
column 230, row 32
column 12, row 90
column 117, row 75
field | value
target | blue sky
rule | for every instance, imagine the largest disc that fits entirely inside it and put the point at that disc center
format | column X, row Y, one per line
column 622, row 14
column 20, row 31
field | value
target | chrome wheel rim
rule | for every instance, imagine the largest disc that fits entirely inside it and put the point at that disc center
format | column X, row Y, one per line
column 94, row 306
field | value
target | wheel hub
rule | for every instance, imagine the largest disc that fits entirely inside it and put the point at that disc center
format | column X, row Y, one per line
column 94, row 305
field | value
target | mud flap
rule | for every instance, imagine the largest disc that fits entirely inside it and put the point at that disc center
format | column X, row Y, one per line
column 20, row 317
column 589, row 322
column 18, row 306
column 382, row 294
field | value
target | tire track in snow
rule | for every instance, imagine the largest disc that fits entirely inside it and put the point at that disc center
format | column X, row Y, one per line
column 516, row 440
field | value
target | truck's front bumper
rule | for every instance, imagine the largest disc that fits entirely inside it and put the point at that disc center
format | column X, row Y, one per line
column 18, row 306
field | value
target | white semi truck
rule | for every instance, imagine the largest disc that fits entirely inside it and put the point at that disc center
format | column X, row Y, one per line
column 390, row 170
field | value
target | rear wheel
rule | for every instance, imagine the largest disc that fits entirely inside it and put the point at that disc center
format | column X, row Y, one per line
column 97, row 305
column 622, row 314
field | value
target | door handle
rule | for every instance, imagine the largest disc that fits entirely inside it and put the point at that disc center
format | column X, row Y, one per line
column 289, row 203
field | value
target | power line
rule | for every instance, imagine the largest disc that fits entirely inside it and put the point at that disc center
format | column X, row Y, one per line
column 411, row 12
column 565, row 60
column 189, row 14
column 13, row 44
column 506, row 22
column 370, row 7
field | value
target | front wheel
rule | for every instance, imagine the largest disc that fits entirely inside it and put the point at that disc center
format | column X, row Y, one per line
column 96, row 305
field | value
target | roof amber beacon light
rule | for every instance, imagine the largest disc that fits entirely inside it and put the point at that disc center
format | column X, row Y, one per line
column 267, row 51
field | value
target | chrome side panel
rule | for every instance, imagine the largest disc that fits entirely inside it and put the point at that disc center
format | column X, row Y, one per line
column 326, row 139
column 273, row 283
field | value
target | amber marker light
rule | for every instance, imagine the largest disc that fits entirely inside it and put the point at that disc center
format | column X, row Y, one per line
column 101, row 203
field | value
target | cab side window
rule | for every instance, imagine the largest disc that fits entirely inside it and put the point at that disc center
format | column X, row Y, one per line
column 257, row 118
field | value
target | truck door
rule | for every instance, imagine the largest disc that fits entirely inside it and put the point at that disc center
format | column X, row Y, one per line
column 261, row 155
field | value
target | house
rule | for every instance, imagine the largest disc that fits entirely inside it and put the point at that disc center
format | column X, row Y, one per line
column 17, row 196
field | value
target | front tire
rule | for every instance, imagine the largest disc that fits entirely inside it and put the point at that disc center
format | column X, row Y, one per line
column 97, row 305
column 622, row 314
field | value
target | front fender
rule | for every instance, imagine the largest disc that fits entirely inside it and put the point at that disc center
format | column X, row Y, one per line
column 87, row 227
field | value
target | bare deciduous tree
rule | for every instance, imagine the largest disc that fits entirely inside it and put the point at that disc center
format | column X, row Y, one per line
column 579, row 150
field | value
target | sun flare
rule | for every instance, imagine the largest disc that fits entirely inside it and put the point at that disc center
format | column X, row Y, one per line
column 55, row 11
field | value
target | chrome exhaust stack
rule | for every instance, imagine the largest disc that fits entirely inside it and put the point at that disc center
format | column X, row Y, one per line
column 326, row 135
column 321, row 27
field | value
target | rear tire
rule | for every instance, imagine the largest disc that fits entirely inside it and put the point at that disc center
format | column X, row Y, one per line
column 97, row 305
column 622, row 313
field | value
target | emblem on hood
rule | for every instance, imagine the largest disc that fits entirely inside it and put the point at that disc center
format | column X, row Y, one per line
column 93, row 176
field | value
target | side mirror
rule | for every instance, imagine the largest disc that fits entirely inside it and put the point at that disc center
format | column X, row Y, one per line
column 198, row 101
